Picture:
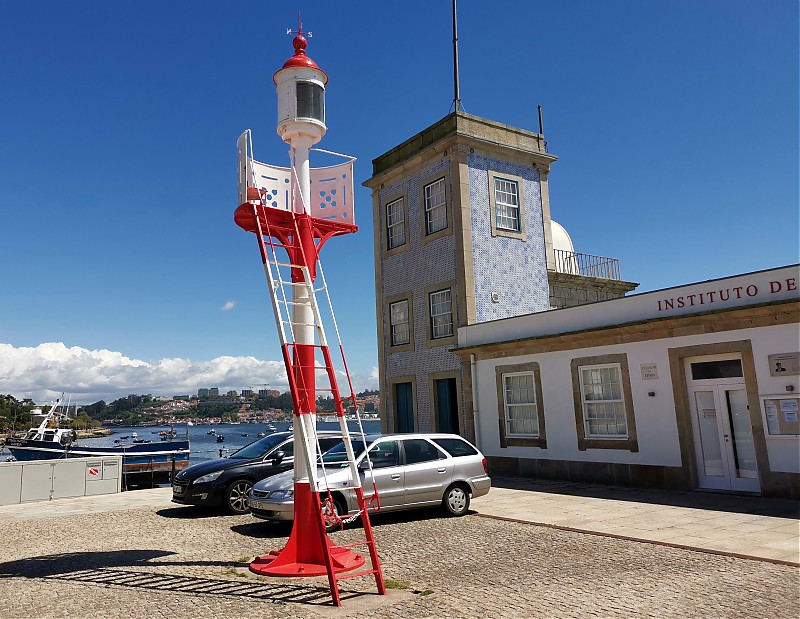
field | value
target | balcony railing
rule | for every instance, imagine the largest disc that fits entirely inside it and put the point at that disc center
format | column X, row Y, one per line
column 584, row 264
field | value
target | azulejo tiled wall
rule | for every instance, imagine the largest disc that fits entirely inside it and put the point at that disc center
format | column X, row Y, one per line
column 412, row 271
column 513, row 269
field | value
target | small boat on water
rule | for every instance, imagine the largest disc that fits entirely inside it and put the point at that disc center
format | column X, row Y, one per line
column 168, row 435
column 49, row 442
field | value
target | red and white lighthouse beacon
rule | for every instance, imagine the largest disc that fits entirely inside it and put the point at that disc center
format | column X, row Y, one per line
column 300, row 87
column 276, row 204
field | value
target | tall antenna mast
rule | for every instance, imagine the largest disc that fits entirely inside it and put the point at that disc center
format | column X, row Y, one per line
column 541, row 126
column 456, row 94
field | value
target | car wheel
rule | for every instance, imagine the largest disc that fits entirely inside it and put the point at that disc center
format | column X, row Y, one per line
column 236, row 496
column 341, row 512
column 456, row 500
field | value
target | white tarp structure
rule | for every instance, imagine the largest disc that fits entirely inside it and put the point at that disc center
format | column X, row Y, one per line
column 331, row 187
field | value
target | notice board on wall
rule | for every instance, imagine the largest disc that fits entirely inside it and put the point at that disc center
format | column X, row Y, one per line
column 781, row 415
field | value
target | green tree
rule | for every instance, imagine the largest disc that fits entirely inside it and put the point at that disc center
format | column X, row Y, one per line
column 13, row 414
column 96, row 410
column 84, row 422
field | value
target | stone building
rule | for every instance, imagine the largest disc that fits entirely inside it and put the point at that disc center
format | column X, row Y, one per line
column 463, row 235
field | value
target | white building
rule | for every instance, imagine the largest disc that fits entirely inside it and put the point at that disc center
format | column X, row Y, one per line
column 688, row 387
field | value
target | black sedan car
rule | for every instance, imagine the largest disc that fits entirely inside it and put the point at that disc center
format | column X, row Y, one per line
column 227, row 481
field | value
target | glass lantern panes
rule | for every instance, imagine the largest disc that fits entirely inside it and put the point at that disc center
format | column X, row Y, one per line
column 310, row 101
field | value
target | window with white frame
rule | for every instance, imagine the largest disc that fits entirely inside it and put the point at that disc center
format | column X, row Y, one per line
column 396, row 223
column 506, row 203
column 521, row 412
column 603, row 401
column 441, row 314
column 398, row 319
column 435, row 209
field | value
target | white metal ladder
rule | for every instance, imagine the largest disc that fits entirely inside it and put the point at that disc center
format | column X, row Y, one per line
column 279, row 279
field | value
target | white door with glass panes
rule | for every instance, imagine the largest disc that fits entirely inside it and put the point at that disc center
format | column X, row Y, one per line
column 723, row 434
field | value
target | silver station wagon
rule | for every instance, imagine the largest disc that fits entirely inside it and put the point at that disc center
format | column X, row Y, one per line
column 409, row 470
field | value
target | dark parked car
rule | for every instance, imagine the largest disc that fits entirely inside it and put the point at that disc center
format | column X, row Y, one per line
column 227, row 481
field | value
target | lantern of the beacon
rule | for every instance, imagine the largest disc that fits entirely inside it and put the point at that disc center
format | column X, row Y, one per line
column 300, row 86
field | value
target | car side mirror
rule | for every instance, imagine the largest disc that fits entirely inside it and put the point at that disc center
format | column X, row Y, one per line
column 278, row 458
column 364, row 465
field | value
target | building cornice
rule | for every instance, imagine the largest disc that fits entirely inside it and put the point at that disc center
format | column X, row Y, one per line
column 463, row 129
column 728, row 319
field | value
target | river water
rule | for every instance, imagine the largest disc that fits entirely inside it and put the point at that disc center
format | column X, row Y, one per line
column 203, row 444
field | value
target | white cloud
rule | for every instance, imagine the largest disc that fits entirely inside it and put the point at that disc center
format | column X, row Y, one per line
column 229, row 305
column 43, row 372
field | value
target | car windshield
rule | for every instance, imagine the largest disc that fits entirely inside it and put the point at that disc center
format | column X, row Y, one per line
column 337, row 457
column 258, row 448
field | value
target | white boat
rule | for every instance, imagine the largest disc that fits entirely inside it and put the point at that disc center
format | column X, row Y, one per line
column 140, row 456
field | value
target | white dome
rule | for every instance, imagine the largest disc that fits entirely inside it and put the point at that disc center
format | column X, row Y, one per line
column 561, row 239
column 563, row 249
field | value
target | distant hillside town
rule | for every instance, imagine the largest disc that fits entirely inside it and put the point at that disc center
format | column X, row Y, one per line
column 208, row 406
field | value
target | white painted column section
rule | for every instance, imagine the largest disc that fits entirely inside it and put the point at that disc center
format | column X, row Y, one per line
column 302, row 313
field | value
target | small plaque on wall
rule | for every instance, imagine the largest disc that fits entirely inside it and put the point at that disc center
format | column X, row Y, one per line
column 649, row 371
column 784, row 364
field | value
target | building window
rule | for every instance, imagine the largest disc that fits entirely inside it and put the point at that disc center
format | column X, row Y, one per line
column 506, row 205
column 520, row 405
column 603, row 405
column 441, row 314
column 507, row 215
column 396, row 223
column 521, row 416
column 604, row 415
column 399, row 326
column 435, row 208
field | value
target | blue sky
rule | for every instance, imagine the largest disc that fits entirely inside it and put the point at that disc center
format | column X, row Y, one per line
column 675, row 123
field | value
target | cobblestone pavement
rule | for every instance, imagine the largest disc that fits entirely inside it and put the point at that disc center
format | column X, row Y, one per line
column 182, row 562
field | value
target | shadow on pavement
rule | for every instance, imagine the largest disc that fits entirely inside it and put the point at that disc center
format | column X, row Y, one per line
column 263, row 530
column 413, row 515
column 734, row 503
column 136, row 569
column 190, row 512
column 54, row 565
column 273, row 530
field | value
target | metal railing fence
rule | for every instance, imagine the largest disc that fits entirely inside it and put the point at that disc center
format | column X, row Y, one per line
column 586, row 265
